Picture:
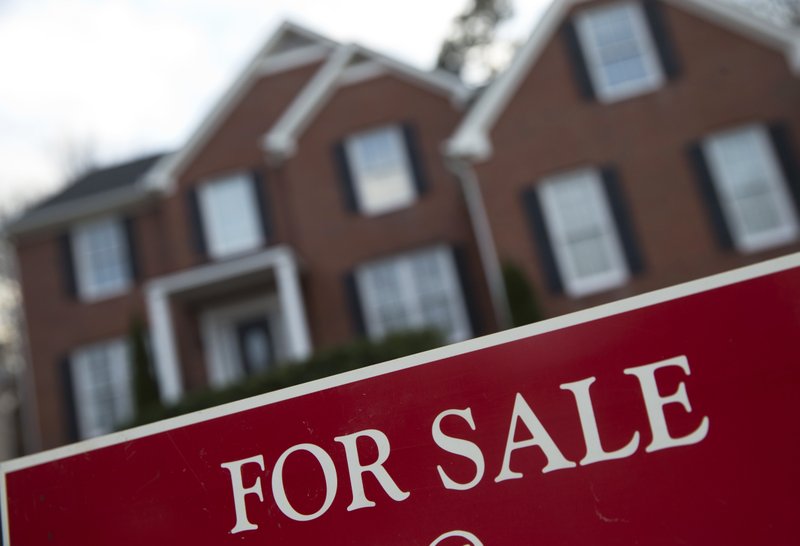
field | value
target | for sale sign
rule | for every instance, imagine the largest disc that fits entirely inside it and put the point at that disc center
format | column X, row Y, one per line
column 669, row 418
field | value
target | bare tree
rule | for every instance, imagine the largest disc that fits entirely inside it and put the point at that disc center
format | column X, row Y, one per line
column 785, row 12
column 76, row 155
column 473, row 35
column 11, row 343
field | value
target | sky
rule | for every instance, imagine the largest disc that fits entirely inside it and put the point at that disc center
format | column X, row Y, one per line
column 115, row 79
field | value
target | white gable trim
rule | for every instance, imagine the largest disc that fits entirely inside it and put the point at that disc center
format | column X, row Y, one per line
column 746, row 23
column 361, row 72
column 281, row 141
column 263, row 63
column 437, row 80
column 471, row 139
column 288, row 60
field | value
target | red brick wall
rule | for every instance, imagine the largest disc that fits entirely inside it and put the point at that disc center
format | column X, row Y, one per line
column 548, row 127
column 308, row 214
column 58, row 323
column 332, row 240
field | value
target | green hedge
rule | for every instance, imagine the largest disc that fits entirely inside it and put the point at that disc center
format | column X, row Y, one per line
column 329, row 362
column 522, row 301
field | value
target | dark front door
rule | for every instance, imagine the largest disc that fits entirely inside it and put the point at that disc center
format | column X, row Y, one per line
column 255, row 345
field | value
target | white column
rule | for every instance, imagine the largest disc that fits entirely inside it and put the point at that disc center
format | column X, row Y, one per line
column 292, row 307
column 167, row 368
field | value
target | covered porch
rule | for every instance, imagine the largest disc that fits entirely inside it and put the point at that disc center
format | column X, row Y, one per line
column 249, row 313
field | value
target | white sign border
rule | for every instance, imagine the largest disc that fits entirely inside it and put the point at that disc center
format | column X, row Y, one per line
column 648, row 299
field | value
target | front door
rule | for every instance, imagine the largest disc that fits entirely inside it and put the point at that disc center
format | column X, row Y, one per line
column 255, row 345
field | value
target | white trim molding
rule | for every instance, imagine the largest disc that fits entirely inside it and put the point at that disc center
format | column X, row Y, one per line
column 346, row 67
column 159, row 293
column 267, row 61
column 281, row 140
column 471, row 139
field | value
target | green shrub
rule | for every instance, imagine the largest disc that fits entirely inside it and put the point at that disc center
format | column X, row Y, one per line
column 322, row 364
column 145, row 388
column 522, row 301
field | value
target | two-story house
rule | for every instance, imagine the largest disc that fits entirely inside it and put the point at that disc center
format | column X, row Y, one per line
column 334, row 192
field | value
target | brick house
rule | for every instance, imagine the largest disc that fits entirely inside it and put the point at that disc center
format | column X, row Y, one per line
column 334, row 192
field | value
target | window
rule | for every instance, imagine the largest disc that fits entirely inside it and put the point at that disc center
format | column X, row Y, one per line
column 101, row 257
column 102, row 387
column 383, row 180
column 582, row 232
column 416, row 290
column 231, row 217
column 620, row 54
column 751, row 188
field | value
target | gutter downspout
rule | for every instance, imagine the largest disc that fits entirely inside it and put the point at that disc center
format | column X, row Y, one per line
column 483, row 236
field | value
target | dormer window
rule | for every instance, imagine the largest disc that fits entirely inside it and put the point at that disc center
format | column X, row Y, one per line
column 620, row 54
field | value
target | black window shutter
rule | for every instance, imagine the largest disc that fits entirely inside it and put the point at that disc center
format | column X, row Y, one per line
column 544, row 250
column 345, row 174
column 68, row 390
column 659, row 30
column 130, row 240
column 67, row 265
column 619, row 208
column 577, row 61
column 354, row 304
column 709, row 195
column 196, row 222
column 415, row 158
column 263, row 205
column 788, row 158
column 465, row 278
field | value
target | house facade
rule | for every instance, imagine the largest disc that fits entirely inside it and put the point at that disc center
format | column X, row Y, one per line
column 335, row 193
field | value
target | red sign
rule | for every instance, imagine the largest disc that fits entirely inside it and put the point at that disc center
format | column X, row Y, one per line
column 669, row 418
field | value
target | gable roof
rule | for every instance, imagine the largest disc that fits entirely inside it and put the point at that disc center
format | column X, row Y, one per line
column 101, row 180
column 291, row 46
column 471, row 138
column 99, row 190
column 350, row 63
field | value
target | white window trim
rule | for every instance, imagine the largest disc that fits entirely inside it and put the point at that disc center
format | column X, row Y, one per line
column 775, row 179
column 357, row 175
column 216, row 248
column 457, row 306
column 121, row 369
column 84, row 284
column 574, row 285
column 604, row 91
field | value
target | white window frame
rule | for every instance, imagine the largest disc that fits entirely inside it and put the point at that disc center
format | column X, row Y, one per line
column 366, row 183
column 605, row 90
column 411, row 293
column 89, row 287
column 120, row 369
column 773, row 178
column 214, row 220
column 575, row 284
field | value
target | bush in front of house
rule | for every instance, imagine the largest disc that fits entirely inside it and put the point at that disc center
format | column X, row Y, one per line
column 322, row 364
